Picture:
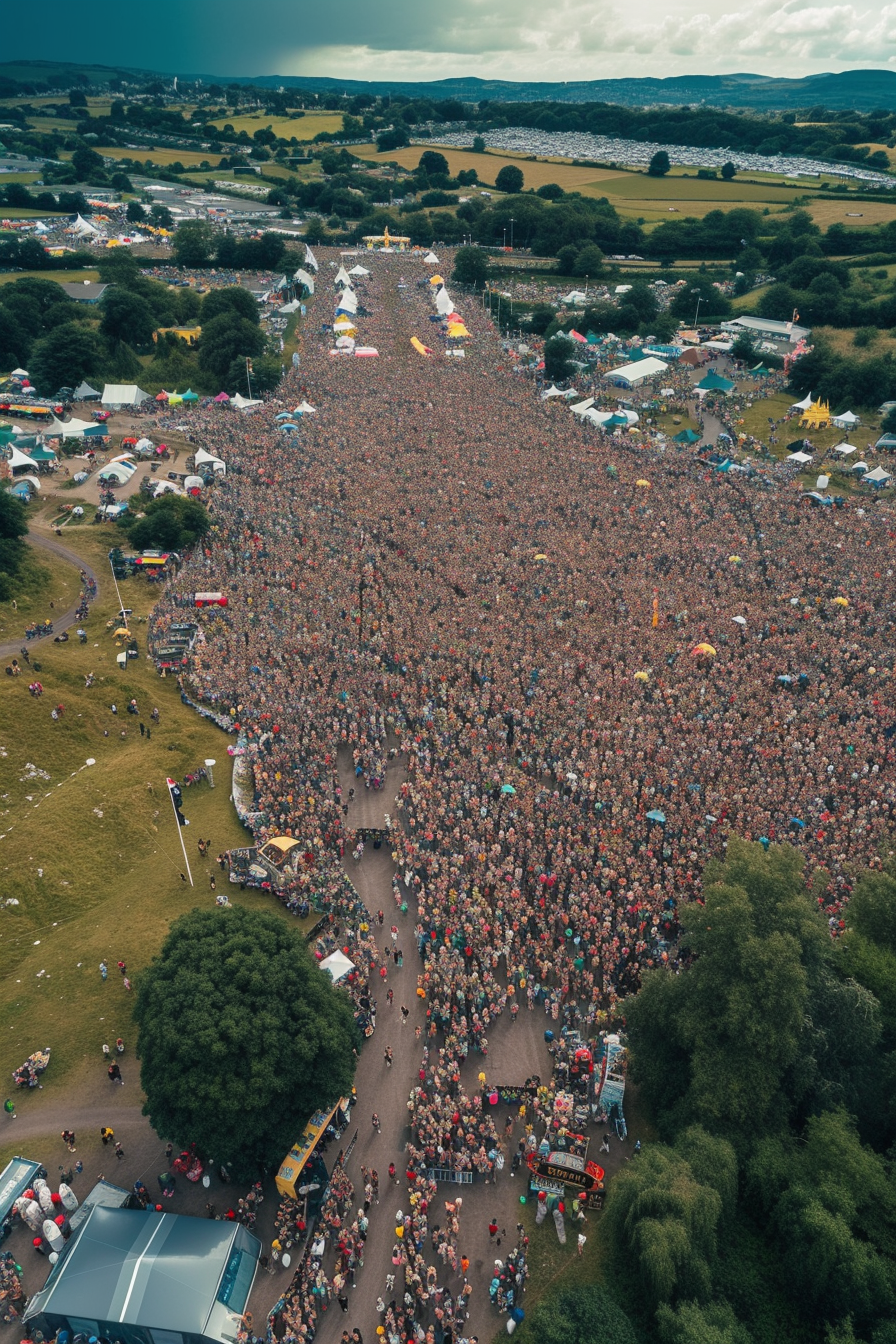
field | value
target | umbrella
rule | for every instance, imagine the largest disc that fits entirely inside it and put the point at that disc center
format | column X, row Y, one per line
column 841, row 601
column 795, row 821
column 739, row 620
column 706, row 650
column 657, row 816
column 222, row 397
column 284, row 415
column 162, row 396
column 507, row 788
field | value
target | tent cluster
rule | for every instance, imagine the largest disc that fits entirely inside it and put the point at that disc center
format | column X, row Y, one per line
column 348, row 310
column 445, row 316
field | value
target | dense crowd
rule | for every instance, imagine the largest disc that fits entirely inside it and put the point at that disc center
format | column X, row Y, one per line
column 441, row 571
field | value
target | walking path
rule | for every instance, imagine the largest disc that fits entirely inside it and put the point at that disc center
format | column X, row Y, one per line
column 68, row 618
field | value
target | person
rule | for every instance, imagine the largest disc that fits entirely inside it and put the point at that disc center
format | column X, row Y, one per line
column 68, row 1138
column 376, row 1122
column 119, row 1151
column 580, row 1243
column 9, row 1107
column 104, row 970
column 115, row 1074
column 119, row 1046
column 169, row 1152
column 106, row 1135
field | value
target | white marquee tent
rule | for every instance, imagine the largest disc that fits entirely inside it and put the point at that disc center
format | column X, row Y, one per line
column 123, row 394
column 632, row 374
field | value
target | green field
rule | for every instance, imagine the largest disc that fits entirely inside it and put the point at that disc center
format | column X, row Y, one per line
column 303, row 128
column 61, row 277
column 103, row 837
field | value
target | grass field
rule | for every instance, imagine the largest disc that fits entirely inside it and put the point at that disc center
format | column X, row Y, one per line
column 858, row 214
column 162, row 157
column 24, row 178
column 93, row 854
column 61, row 277
column 488, row 165
column 303, row 128
column 6, row 212
column 46, row 579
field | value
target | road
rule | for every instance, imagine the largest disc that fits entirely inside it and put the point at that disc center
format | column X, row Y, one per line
column 68, row 618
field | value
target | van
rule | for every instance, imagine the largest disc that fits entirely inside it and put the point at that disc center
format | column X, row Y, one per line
column 17, row 1176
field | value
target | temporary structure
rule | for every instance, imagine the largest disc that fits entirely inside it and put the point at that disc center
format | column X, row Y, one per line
column 245, row 403
column 304, row 408
column 802, row 458
column 84, row 392
column 431, row 259
column 123, row 394
column 877, row 477
column 342, row 278
column 804, row 404
column 845, row 449
column 338, row 965
column 582, row 406
column 358, row 270
column 551, row 392
column 631, row 374
column 845, row 421
column 444, row 304
column 713, row 382
column 310, row 259
column 302, row 277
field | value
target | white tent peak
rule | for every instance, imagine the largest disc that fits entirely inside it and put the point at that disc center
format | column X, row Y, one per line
column 310, row 259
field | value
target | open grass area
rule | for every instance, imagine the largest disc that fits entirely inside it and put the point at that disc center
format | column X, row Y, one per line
column 61, row 277
column 568, row 176
column 92, row 854
column 7, row 212
column 46, row 578
column 858, row 214
column 303, row 128
column 24, row 179
column 161, row 157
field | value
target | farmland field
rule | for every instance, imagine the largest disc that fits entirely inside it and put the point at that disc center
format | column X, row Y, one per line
column 162, row 157
column 864, row 213
column 570, row 177
column 303, row 128
column 61, row 277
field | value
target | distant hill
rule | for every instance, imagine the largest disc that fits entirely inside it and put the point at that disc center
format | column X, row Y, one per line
column 859, row 89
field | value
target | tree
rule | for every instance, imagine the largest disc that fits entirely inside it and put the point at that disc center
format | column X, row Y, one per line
column 223, row 339
column 550, row 191
column 590, row 262
column 478, row 144
column 223, row 1064
column 431, row 161
column 134, row 212
column 77, row 98
column 471, row 266
column 266, row 374
column 232, row 299
column 584, row 1314
column 397, row 138
column 193, row 243
column 691, row 1323
column 558, row 355
column 127, row 317
column 743, row 348
column 888, row 424
column 659, row 164
column 87, row 163
column 64, row 356
column 13, row 530
column 663, row 1222
column 728, row 171
column 510, row 179
column 161, row 217
column 171, row 522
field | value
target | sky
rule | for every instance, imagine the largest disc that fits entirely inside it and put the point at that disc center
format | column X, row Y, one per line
column 431, row 39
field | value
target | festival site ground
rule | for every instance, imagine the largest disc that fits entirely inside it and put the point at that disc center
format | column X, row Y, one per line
column 441, row 598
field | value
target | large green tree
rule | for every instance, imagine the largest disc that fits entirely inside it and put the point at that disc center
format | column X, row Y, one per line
column 224, row 338
column 64, row 356
column 584, row 1314
column 171, row 523
column 241, row 1037
column 13, row 529
column 471, row 266
column 232, row 299
column 194, row 243
column 510, row 179
column 127, row 317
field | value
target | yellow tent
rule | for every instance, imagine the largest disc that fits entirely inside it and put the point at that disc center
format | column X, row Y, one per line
column 457, row 329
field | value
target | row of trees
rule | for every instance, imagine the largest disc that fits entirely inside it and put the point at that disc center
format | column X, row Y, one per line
column 767, row 1212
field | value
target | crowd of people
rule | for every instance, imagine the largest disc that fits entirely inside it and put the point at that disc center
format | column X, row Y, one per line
column 442, row 573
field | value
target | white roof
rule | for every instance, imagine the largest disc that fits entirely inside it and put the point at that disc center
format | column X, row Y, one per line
column 598, row 417
column 847, row 418
column 200, row 456
column 342, row 277
column 143, row 443
column 443, row 302
column 310, row 259
column 123, row 394
column 822, row 483
column 804, row 404
column 348, row 302
column 637, row 373
column 431, row 259
column 292, row 307
column 844, row 449
column 69, row 429
column 305, row 279
column 574, row 296
column 582, row 406
column 358, row 270
column 552, row 392
column 304, row 408
column 17, row 458
column 799, row 457
column 243, row 403
column 878, row 475
column 338, row 964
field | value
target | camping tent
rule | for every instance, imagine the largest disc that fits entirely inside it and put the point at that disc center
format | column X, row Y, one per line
column 887, row 442
column 687, row 436
column 201, row 458
column 574, row 296
column 630, row 374
column 845, row 421
column 69, row 429
column 123, row 394
column 431, row 259
column 118, row 471
column 338, row 965
column 691, row 357
column 84, row 392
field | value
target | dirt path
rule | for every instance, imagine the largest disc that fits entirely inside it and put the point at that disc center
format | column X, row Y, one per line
column 68, row 618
